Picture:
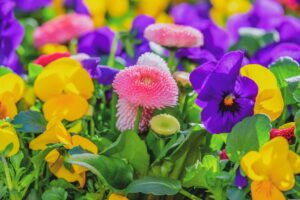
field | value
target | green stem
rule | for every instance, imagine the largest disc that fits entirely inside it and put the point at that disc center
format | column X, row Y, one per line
column 138, row 119
column 185, row 105
column 188, row 195
column 177, row 170
column 172, row 60
column 112, row 54
column 92, row 126
column 8, row 179
column 113, row 111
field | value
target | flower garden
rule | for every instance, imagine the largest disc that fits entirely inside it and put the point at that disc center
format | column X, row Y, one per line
column 149, row 99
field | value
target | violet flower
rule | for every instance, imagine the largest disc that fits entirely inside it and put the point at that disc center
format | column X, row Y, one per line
column 225, row 96
column 31, row 5
column 103, row 74
column 11, row 36
column 98, row 42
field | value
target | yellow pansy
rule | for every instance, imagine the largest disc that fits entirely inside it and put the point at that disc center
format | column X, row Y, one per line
column 57, row 133
column 29, row 96
column 65, row 86
column 8, row 136
column 269, row 100
column 11, row 91
column 271, row 169
column 152, row 7
column 97, row 10
column 117, row 8
column 163, row 18
column 222, row 9
column 53, row 48
column 164, row 124
column 58, row 6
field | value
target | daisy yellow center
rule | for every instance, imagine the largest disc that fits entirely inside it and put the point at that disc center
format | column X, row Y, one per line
column 2, row 111
column 228, row 100
column 147, row 80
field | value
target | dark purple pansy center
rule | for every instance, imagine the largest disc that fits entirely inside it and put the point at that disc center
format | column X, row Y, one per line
column 229, row 103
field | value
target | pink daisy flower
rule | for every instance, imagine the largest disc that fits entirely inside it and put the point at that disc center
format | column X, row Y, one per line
column 172, row 35
column 127, row 113
column 150, row 85
column 146, row 86
column 153, row 60
column 62, row 29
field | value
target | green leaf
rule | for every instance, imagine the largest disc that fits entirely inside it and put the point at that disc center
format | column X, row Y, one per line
column 249, row 134
column 283, row 69
column 55, row 194
column 30, row 122
column 113, row 172
column 203, row 174
column 4, row 70
column 217, row 141
column 33, row 71
column 297, row 124
column 252, row 39
column 154, row 185
column 129, row 146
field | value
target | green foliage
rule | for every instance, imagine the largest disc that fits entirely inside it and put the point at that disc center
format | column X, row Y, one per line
column 4, row 70
column 243, row 139
column 30, row 122
column 129, row 146
column 154, row 185
column 283, row 69
column 55, row 193
column 33, row 71
column 252, row 39
column 114, row 173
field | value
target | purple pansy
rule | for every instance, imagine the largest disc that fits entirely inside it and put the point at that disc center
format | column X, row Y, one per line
column 139, row 24
column 77, row 5
column 270, row 53
column 11, row 35
column 98, row 42
column 31, row 5
column 225, row 96
column 103, row 74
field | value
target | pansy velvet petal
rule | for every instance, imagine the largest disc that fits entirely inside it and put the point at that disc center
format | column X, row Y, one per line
column 231, row 63
column 265, row 190
column 269, row 99
column 65, row 106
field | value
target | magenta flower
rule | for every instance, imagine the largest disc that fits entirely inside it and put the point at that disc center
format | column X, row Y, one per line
column 149, row 86
column 171, row 35
column 62, row 29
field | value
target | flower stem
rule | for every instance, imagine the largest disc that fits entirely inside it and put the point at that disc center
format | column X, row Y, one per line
column 138, row 119
column 113, row 111
column 188, row 195
column 172, row 60
column 8, row 178
column 112, row 54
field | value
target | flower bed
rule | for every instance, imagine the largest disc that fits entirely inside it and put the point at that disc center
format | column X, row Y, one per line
column 149, row 99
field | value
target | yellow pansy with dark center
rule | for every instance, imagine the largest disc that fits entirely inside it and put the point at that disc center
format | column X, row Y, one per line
column 164, row 124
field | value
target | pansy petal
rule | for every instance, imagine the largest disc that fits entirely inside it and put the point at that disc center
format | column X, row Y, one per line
column 265, row 190
column 269, row 99
column 231, row 63
column 199, row 75
column 274, row 153
column 13, row 84
column 247, row 163
column 282, row 176
column 53, row 156
column 9, row 136
column 60, row 171
column 84, row 143
column 9, row 106
column 65, row 106
column 294, row 160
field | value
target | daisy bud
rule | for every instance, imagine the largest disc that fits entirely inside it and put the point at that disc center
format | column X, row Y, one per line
column 164, row 124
